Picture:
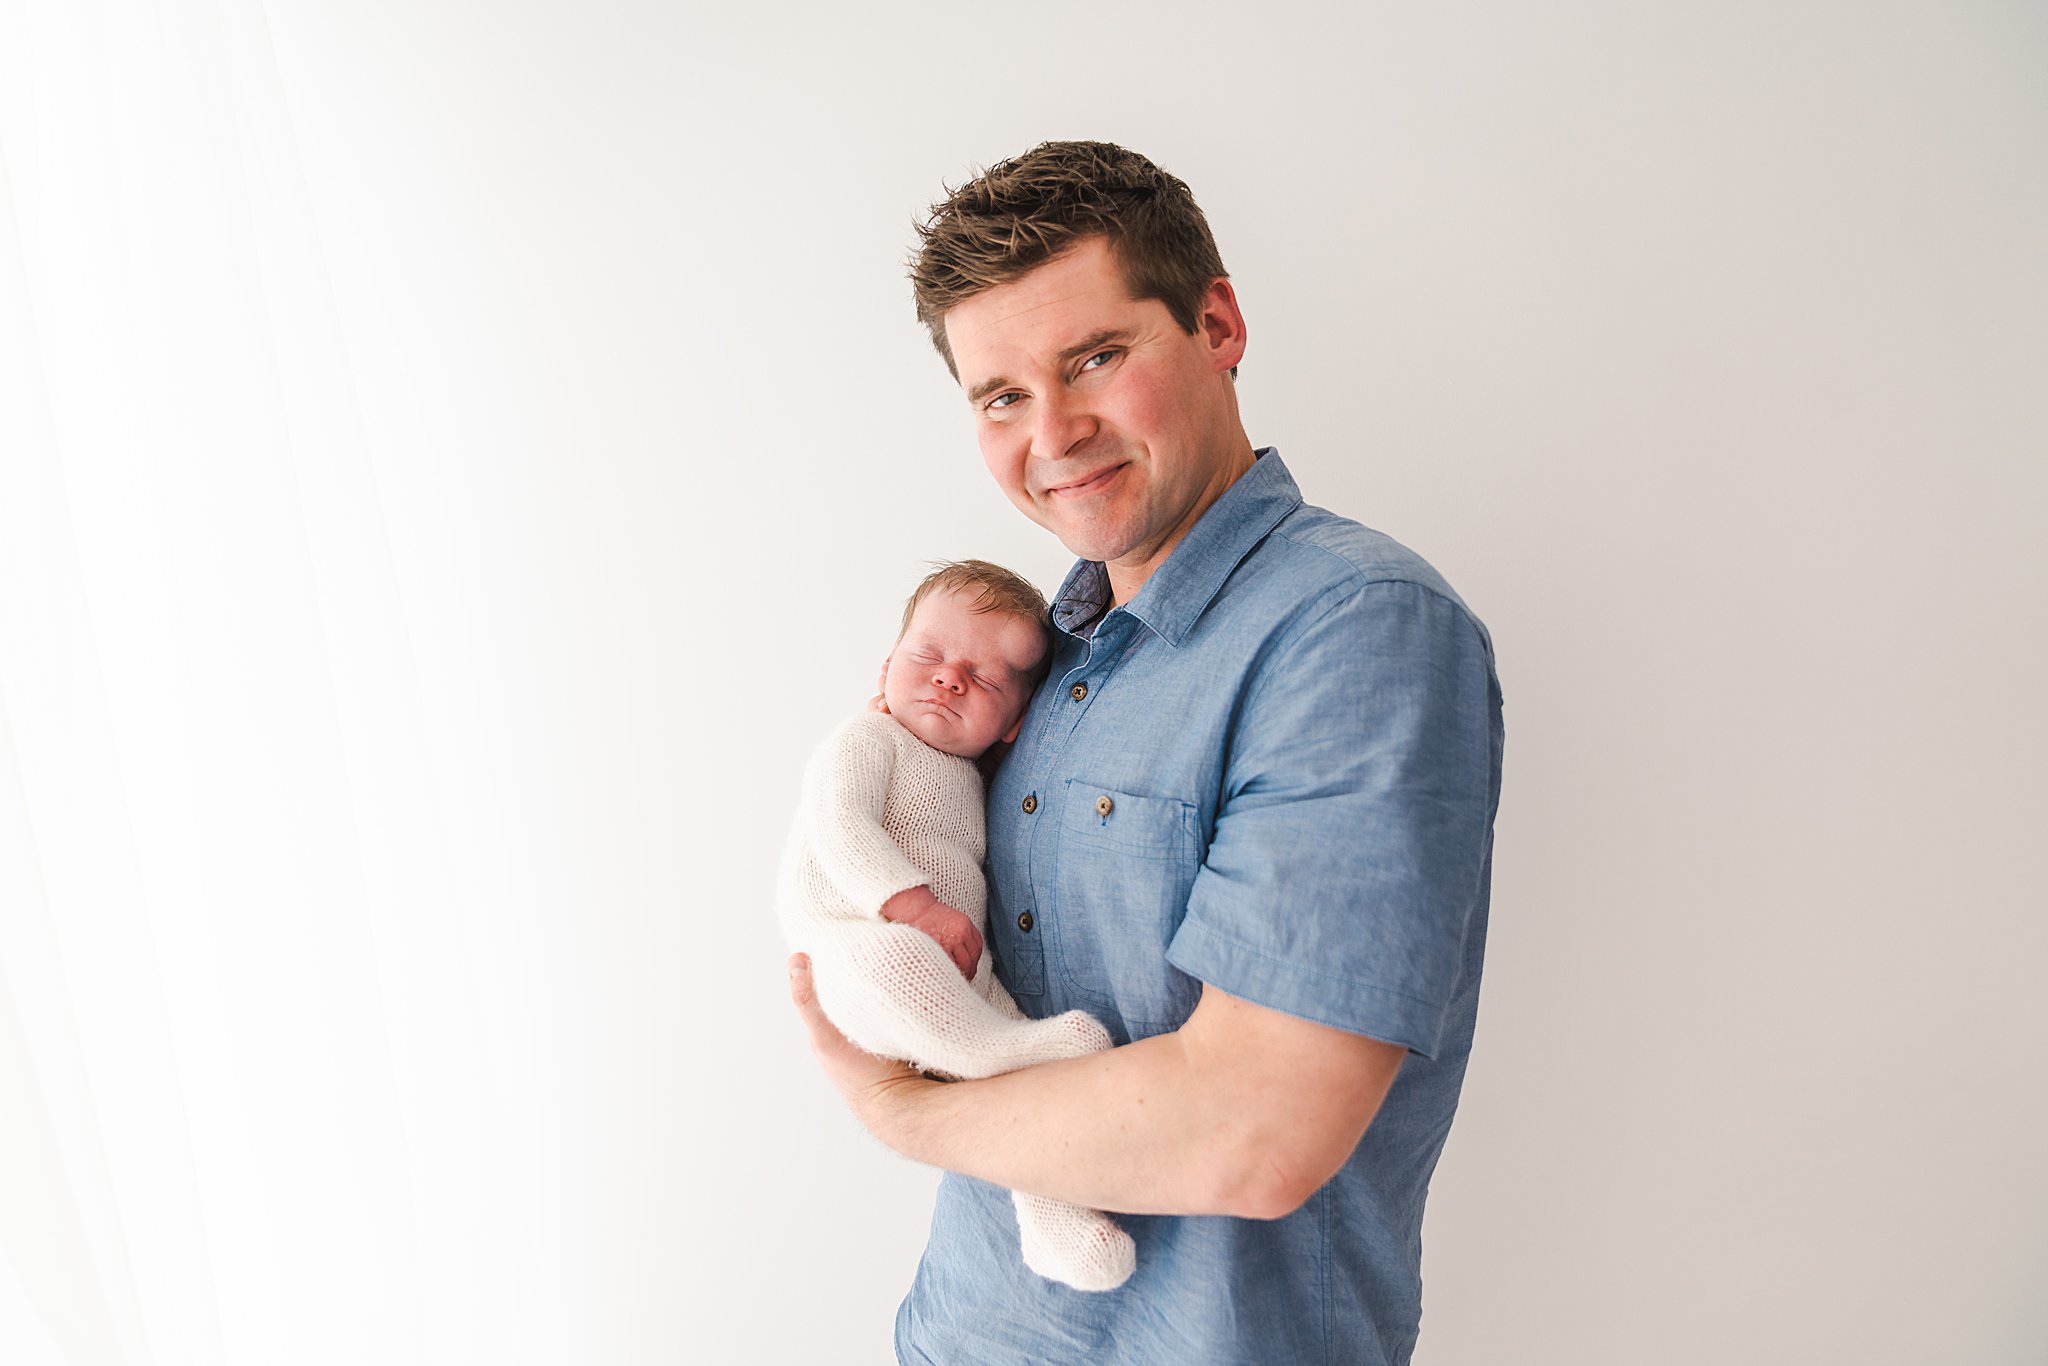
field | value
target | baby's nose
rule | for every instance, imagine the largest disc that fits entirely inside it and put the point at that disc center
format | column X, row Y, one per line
column 947, row 679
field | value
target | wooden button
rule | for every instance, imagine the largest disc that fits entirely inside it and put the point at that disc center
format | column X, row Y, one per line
column 1031, row 803
column 1103, row 805
column 1025, row 922
column 1078, row 691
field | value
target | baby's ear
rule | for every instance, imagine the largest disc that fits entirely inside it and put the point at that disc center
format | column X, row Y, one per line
column 879, row 702
column 1010, row 735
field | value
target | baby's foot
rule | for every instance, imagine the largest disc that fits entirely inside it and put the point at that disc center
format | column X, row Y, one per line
column 1079, row 1247
column 1079, row 1032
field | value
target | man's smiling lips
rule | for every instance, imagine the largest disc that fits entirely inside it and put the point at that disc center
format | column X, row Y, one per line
column 1087, row 484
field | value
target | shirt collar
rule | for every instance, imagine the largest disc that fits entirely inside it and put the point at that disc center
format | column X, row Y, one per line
column 1174, row 598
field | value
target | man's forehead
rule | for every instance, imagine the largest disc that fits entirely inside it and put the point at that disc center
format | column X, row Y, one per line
column 1053, row 306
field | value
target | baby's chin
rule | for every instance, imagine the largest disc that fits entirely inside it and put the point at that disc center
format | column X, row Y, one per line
column 929, row 729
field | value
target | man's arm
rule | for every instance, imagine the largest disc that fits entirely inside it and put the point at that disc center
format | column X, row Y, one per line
column 1357, row 806
column 1242, row 1110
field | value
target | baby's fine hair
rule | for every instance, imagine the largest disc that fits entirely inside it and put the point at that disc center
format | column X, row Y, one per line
column 997, row 590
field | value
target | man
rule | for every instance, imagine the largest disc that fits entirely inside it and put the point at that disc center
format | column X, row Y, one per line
column 1247, row 823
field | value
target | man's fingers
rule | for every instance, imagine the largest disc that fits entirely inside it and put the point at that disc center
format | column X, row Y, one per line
column 825, row 1036
column 859, row 1075
column 803, row 994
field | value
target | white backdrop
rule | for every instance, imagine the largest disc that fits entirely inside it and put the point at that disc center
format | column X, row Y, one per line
column 456, row 458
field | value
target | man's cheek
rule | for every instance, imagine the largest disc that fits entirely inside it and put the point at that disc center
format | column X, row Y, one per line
column 1005, row 463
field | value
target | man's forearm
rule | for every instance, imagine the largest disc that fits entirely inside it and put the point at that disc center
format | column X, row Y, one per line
column 1242, row 1110
column 1132, row 1130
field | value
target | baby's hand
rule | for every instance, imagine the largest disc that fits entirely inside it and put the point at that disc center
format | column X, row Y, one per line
column 952, row 930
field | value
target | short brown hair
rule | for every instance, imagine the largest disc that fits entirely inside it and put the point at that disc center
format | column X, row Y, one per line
column 1020, row 213
column 997, row 590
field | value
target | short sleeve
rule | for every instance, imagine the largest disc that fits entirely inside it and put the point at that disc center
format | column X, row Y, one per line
column 1355, row 823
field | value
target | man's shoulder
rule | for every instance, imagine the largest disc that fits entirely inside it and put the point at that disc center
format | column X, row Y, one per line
column 1315, row 553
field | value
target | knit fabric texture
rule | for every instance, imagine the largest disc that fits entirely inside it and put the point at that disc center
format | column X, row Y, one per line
column 883, row 812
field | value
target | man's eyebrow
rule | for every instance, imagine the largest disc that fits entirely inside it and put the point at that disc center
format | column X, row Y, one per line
column 1095, row 341
column 1088, row 345
column 987, row 387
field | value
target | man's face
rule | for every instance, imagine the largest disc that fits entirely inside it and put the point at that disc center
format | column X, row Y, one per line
column 1102, row 420
column 958, row 679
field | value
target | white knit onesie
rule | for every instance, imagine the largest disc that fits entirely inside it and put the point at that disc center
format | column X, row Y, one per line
column 883, row 812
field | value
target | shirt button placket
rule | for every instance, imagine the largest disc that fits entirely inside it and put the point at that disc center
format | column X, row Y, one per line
column 1077, row 693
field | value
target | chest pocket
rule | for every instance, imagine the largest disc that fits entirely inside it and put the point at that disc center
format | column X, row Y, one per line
column 1126, row 864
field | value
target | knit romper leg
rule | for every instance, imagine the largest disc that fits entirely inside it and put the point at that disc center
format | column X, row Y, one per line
column 882, row 812
column 892, row 990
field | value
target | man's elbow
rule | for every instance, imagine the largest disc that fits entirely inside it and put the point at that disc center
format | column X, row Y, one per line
column 1272, row 1184
column 1287, row 1102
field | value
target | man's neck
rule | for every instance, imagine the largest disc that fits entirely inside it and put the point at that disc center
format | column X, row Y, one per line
column 1128, row 576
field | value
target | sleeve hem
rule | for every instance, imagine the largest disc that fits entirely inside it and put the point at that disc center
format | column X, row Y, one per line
column 1319, row 997
column 876, row 909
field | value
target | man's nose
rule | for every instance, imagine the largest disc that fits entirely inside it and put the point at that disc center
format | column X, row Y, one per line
column 1064, row 422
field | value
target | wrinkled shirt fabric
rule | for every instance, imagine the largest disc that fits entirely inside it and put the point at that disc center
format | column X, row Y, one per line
column 1275, row 771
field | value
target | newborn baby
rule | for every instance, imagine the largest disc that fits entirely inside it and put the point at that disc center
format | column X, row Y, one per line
column 881, row 884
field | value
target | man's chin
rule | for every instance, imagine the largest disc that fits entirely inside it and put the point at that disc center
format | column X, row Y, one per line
column 1092, row 543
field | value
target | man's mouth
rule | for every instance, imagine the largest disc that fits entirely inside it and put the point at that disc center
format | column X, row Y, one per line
column 1085, row 485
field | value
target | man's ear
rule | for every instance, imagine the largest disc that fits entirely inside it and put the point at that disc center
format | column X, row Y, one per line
column 1221, row 324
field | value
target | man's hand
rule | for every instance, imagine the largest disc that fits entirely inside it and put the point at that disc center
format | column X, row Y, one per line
column 955, row 933
column 865, row 1081
column 1242, row 1111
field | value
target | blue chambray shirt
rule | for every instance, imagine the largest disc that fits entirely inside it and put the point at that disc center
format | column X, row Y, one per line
column 1275, row 770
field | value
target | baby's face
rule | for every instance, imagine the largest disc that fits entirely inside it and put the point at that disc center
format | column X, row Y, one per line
column 958, row 679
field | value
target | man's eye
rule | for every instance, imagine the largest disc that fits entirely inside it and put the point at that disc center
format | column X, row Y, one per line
column 1001, row 401
column 1098, row 360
